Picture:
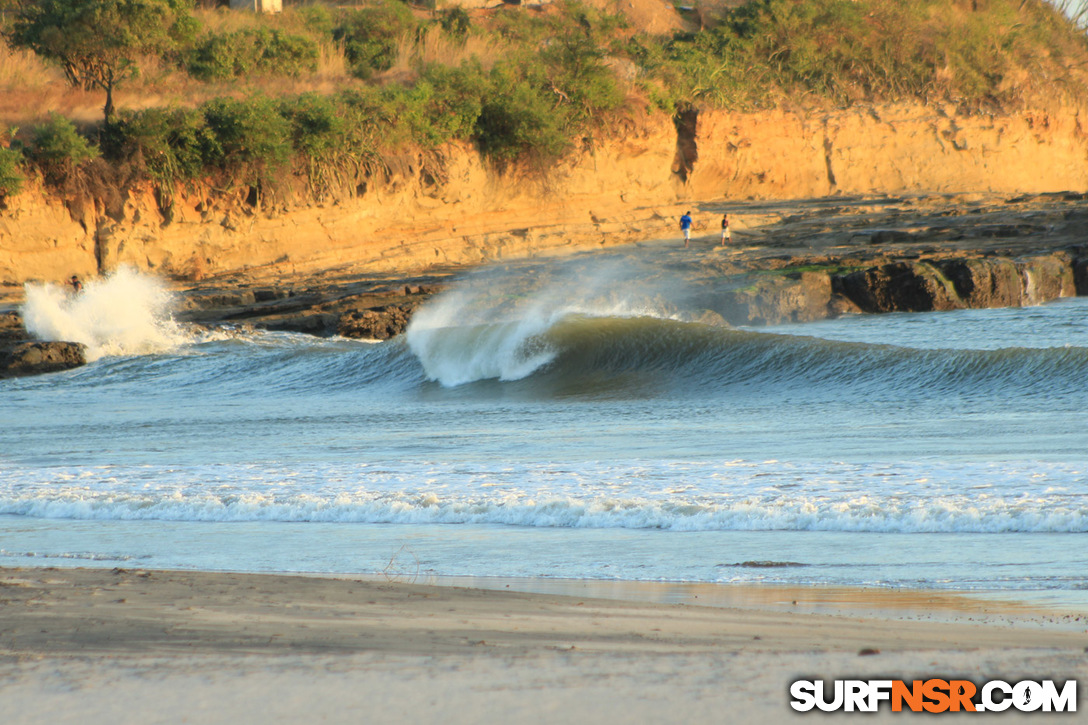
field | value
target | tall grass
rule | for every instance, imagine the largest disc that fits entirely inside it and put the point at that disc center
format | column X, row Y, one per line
column 23, row 70
column 436, row 46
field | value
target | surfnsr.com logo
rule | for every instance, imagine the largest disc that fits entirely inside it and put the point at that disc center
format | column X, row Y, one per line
column 933, row 695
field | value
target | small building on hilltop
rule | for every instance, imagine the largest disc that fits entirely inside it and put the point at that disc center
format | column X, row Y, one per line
column 258, row 6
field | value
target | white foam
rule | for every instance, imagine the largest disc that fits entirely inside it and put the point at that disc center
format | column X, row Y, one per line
column 126, row 313
column 721, row 497
column 799, row 513
column 454, row 355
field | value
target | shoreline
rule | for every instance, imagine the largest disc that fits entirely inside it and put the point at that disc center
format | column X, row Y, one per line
column 159, row 646
column 73, row 594
column 887, row 603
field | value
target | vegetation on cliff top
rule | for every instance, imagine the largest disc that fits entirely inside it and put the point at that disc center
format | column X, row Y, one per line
column 338, row 94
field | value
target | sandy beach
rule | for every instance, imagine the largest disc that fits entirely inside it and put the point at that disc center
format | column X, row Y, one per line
column 96, row 646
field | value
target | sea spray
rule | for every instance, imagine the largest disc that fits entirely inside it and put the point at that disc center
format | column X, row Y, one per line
column 494, row 323
column 126, row 313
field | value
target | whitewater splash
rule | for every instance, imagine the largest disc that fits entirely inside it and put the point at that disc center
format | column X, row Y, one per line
column 494, row 324
column 126, row 313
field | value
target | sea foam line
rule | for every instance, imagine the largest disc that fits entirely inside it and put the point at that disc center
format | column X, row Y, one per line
column 946, row 514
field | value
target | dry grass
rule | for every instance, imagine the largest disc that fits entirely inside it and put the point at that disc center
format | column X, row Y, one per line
column 223, row 20
column 25, row 71
column 438, row 47
column 331, row 63
column 30, row 89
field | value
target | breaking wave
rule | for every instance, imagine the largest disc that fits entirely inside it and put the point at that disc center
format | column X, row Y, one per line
column 863, row 513
column 708, row 496
column 495, row 329
column 574, row 352
column 126, row 313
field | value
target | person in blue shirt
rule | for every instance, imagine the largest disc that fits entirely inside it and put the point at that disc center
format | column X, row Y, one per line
column 685, row 227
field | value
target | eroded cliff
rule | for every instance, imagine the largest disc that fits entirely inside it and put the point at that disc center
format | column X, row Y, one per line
column 629, row 186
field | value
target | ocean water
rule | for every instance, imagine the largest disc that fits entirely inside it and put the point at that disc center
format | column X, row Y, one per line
column 564, row 420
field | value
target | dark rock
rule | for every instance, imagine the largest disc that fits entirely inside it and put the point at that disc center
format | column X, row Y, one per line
column 841, row 305
column 269, row 295
column 899, row 287
column 1008, row 231
column 985, row 282
column 11, row 327
column 709, row 318
column 1080, row 276
column 380, row 323
column 219, row 299
column 890, row 236
column 35, row 358
column 316, row 323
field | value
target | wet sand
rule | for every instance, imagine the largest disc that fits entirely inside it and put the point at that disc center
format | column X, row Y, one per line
column 91, row 645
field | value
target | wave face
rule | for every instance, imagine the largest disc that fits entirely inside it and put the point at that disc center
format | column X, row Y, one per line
column 571, row 353
column 702, row 357
column 126, row 313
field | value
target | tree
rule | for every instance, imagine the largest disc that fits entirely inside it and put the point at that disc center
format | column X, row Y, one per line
column 97, row 42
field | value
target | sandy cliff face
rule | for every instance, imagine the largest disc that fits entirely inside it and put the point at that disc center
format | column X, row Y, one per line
column 630, row 186
column 889, row 149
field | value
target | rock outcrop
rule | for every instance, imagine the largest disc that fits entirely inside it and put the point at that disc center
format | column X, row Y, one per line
column 380, row 323
column 900, row 286
column 20, row 356
column 36, row 358
column 962, row 283
column 794, row 297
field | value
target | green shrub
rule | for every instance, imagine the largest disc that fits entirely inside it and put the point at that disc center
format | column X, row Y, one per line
column 248, row 138
column 455, row 21
column 851, row 50
column 517, row 120
column 251, row 51
column 444, row 104
column 315, row 123
column 578, row 76
column 11, row 176
column 317, row 18
column 171, row 143
column 318, row 135
column 57, row 148
column 370, row 36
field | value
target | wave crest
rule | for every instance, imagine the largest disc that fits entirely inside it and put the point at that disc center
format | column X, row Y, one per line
column 497, row 324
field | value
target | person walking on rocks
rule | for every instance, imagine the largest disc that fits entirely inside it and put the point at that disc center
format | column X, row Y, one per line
column 685, row 227
column 727, row 235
